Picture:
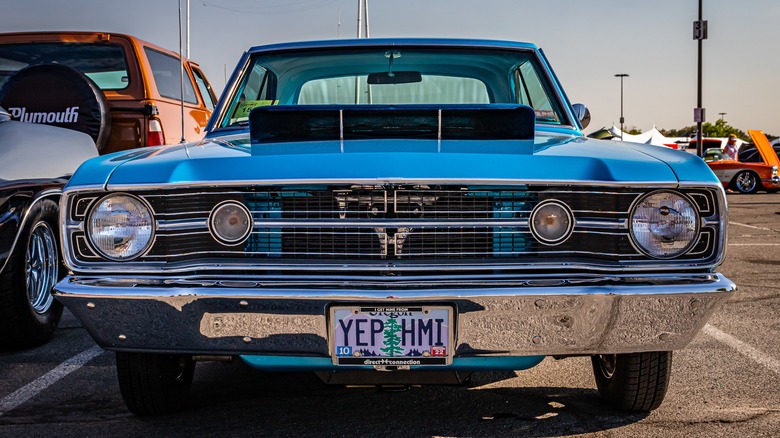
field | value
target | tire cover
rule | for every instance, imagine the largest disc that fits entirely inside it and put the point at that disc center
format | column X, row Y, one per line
column 55, row 94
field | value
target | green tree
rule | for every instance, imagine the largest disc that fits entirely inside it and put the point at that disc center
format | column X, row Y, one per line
column 718, row 129
column 392, row 340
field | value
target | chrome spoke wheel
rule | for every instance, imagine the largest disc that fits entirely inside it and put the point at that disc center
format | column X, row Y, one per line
column 746, row 182
column 41, row 267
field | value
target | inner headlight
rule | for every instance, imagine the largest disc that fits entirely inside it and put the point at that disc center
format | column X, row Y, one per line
column 664, row 224
column 551, row 222
column 120, row 227
column 230, row 222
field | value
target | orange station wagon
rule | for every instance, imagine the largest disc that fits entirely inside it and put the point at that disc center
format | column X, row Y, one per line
column 749, row 177
column 130, row 99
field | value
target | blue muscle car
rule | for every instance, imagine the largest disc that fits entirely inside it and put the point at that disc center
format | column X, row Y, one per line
column 394, row 211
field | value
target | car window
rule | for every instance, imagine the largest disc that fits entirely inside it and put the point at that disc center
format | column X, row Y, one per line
column 166, row 70
column 393, row 76
column 530, row 91
column 431, row 89
column 104, row 63
column 257, row 89
column 205, row 89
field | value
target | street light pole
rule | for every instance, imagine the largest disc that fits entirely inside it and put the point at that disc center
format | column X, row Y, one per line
column 621, row 76
column 721, row 116
column 699, row 35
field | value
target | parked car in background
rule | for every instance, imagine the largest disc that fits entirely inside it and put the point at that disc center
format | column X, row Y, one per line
column 130, row 89
column 749, row 153
column 756, row 166
column 35, row 162
column 713, row 154
column 706, row 143
column 394, row 211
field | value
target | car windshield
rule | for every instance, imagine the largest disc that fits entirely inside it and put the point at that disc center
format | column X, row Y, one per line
column 393, row 76
column 103, row 63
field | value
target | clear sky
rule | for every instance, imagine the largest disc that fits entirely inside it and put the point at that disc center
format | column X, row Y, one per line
column 587, row 42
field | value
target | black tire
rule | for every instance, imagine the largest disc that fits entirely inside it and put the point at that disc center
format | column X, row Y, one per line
column 154, row 384
column 746, row 182
column 29, row 314
column 633, row 382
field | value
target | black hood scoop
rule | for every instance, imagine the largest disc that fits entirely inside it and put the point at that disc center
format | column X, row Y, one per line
column 295, row 123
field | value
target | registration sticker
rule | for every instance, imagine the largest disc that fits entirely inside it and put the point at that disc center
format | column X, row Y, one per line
column 391, row 336
column 244, row 108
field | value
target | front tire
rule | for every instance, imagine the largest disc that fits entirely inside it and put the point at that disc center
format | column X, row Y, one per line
column 29, row 314
column 746, row 182
column 154, row 384
column 633, row 382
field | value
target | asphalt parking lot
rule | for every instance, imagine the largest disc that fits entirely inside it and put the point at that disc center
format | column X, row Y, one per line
column 726, row 383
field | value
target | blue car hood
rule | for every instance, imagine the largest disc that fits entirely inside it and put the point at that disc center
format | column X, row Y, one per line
column 551, row 157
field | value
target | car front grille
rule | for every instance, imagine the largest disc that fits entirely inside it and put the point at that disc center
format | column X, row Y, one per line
column 399, row 223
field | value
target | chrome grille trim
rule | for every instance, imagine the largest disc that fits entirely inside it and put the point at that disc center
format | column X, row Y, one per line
column 501, row 235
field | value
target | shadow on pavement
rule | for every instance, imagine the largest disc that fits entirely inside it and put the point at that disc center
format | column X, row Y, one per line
column 236, row 399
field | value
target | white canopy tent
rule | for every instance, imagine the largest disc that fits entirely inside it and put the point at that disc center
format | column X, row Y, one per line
column 653, row 137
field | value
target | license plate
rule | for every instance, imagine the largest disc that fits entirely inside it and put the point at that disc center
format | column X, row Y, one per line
column 391, row 336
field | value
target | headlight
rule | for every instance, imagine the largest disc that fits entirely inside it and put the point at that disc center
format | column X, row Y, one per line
column 664, row 224
column 120, row 227
column 551, row 222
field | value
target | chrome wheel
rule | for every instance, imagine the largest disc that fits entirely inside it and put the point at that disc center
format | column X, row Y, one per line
column 746, row 182
column 607, row 364
column 40, row 266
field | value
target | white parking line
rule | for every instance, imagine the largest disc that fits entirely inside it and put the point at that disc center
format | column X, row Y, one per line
column 751, row 226
column 743, row 348
column 33, row 388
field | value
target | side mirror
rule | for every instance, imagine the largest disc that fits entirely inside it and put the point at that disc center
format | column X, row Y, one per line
column 582, row 113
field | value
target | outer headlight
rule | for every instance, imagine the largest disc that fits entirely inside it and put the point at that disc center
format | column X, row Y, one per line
column 120, row 227
column 664, row 224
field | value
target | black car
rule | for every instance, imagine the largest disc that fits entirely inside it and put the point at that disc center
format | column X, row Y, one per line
column 35, row 163
column 749, row 154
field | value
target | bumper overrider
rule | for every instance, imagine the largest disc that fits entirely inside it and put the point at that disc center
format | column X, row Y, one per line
column 604, row 315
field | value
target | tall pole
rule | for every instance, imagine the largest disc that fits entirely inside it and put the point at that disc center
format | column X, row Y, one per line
column 365, row 10
column 359, row 19
column 187, row 32
column 362, row 13
column 621, row 76
column 721, row 116
column 699, row 34
column 181, row 78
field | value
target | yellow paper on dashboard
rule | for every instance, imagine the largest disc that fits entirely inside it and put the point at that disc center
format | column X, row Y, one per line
column 243, row 109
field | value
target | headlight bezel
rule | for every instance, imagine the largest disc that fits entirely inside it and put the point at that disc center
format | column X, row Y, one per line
column 90, row 234
column 214, row 231
column 636, row 242
column 569, row 215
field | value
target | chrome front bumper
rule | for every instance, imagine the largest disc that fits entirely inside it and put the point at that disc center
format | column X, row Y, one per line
column 615, row 314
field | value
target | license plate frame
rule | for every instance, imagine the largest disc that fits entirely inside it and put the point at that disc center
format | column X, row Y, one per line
column 429, row 328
